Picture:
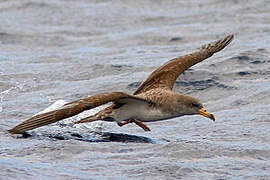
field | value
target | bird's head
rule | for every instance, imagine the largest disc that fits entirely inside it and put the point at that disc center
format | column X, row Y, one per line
column 187, row 105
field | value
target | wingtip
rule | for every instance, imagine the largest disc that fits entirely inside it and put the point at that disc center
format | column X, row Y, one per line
column 217, row 46
column 14, row 131
column 231, row 35
column 225, row 42
column 229, row 38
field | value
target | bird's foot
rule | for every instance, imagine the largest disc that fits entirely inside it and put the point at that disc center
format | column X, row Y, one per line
column 137, row 122
column 124, row 123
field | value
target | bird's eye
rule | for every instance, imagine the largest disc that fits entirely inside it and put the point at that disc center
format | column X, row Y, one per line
column 195, row 104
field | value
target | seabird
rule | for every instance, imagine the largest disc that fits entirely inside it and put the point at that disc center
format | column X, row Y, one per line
column 154, row 99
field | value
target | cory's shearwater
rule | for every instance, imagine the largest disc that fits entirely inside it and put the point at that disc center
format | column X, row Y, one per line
column 154, row 99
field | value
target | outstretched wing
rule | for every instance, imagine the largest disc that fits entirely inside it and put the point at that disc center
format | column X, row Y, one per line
column 166, row 75
column 70, row 109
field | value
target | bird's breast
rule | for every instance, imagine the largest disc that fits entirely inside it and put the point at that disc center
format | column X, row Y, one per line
column 141, row 111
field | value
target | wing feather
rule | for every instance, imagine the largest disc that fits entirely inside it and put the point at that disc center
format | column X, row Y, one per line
column 166, row 75
column 68, row 110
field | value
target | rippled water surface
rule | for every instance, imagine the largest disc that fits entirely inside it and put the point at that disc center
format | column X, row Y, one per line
column 64, row 50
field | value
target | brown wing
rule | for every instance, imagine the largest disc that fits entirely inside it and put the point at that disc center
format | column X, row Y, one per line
column 166, row 75
column 68, row 110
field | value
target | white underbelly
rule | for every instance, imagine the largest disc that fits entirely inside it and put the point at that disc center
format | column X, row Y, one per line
column 140, row 111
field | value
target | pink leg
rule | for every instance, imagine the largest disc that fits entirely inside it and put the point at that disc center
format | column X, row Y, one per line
column 124, row 123
column 140, row 123
column 137, row 122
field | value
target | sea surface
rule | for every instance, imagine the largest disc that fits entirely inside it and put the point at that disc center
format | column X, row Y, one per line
column 57, row 51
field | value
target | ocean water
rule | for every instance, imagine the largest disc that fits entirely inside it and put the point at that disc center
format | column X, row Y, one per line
column 57, row 51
